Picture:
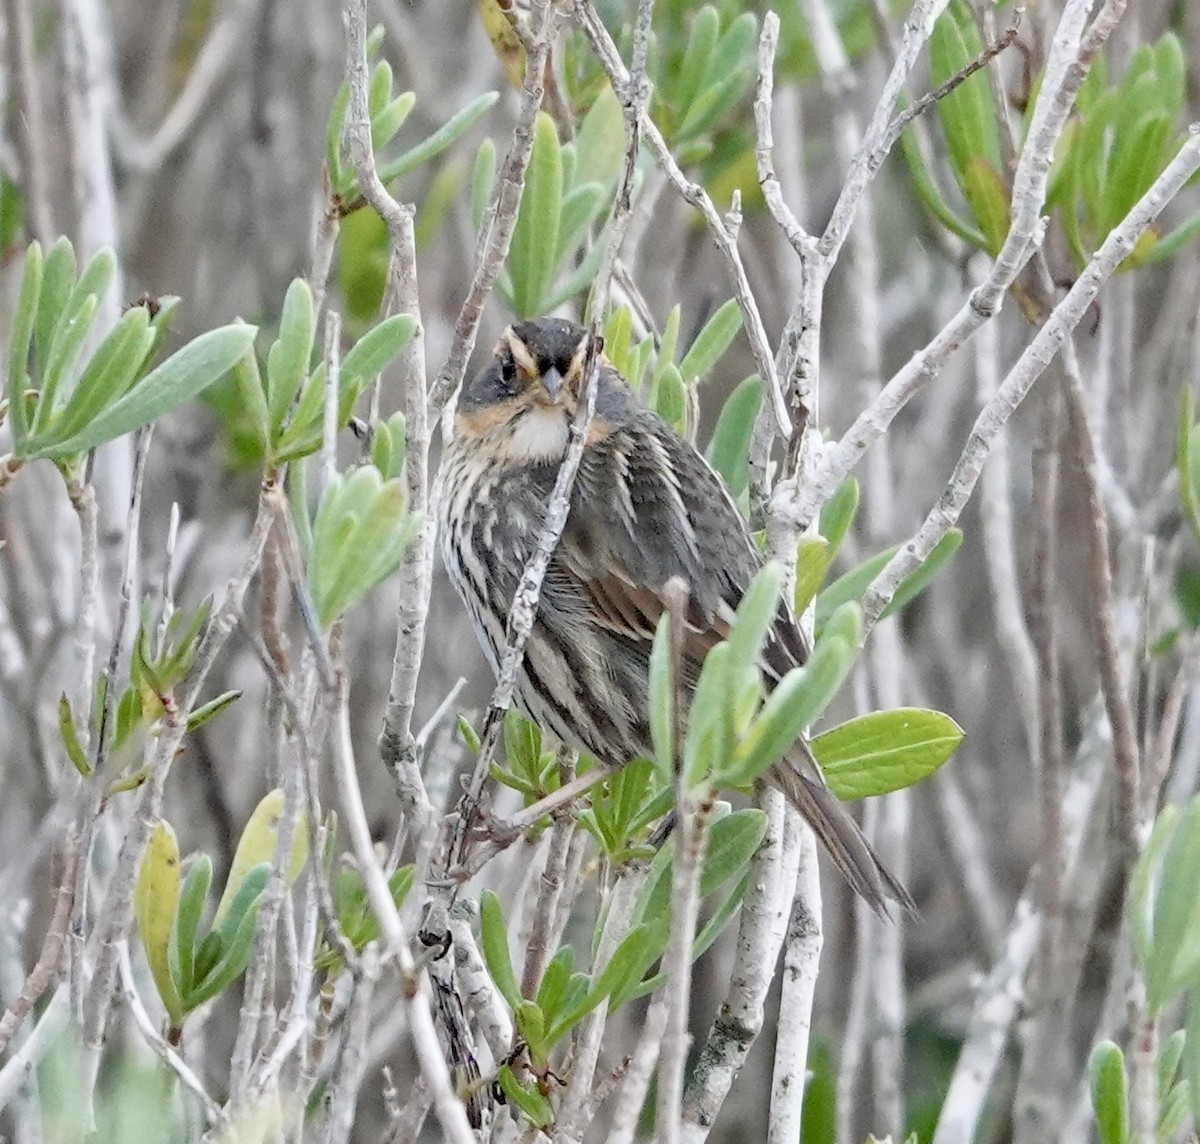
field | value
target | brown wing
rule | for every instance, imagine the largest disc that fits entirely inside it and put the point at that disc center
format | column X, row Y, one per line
column 646, row 508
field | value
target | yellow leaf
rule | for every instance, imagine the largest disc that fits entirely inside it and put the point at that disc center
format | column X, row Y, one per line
column 505, row 41
column 257, row 845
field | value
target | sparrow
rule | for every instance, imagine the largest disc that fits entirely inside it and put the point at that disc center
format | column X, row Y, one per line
column 645, row 507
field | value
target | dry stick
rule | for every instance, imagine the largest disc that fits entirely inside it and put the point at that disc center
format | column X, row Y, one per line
column 1126, row 755
column 213, row 1113
column 801, row 957
column 761, row 930
column 479, row 992
column 501, row 216
column 694, row 808
column 257, row 1001
column 630, row 1097
column 1065, row 71
column 1020, row 379
column 47, row 964
column 995, row 505
column 399, row 751
column 346, row 1078
column 1039, row 1085
column 450, row 1111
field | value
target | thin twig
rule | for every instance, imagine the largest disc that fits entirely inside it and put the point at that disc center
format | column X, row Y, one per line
column 501, row 217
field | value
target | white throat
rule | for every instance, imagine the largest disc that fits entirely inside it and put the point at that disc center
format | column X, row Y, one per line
column 537, row 435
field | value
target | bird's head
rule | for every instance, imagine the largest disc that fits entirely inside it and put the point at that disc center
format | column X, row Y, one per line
column 529, row 391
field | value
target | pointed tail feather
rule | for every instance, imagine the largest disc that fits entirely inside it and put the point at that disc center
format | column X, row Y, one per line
column 837, row 830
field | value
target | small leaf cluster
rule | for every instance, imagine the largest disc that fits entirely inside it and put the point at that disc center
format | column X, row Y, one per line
column 191, row 964
column 667, row 385
column 816, row 555
column 701, row 64
column 285, row 407
column 352, row 908
column 358, row 538
column 972, row 135
column 1109, row 1086
column 61, row 405
column 734, row 733
column 162, row 656
column 552, row 257
column 1118, row 142
column 388, row 113
column 363, row 238
column 529, row 767
column 621, row 811
column 566, row 995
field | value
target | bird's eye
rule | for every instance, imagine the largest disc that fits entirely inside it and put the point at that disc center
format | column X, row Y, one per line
column 508, row 370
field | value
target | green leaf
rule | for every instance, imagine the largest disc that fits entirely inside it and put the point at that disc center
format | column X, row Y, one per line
column 554, row 981
column 235, row 957
column 244, row 904
column 288, row 358
column 984, row 190
column 799, row 698
column 1141, row 898
column 885, row 751
column 450, row 131
column 522, row 743
column 483, row 179
column 66, row 730
column 1191, row 1053
column 493, row 938
column 670, row 397
column 732, row 842
column 813, row 557
column 180, row 378
column 388, row 121
column 580, row 209
column 624, row 967
column 919, row 578
column 729, row 450
column 256, row 849
column 19, row 336
column 966, row 113
column 211, row 709
column 1174, row 962
column 929, row 194
column 1110, row 1094
column 1169, row 1057
column 109, row 373
column 758, row 609
column 376, row 349
column 72, row 331
column 600, row 141
column 192, row 899
column 697, row 59
column 533, row 1105
column 712, row 342
column 531, row 257
column 58, row 280
column 838, row 513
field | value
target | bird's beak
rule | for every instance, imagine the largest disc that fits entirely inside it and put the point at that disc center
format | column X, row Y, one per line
column 552, row 381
